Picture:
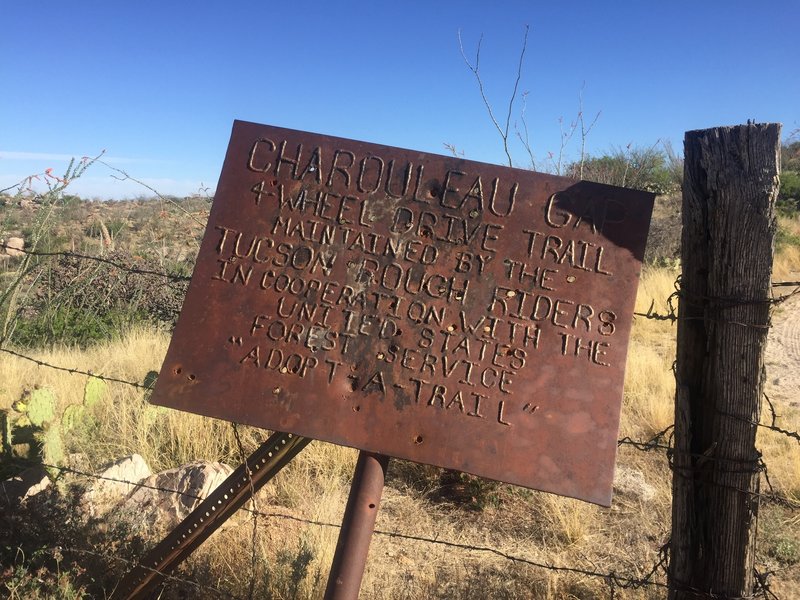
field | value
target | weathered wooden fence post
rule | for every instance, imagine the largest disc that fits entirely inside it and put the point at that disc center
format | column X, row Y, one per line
column 729, row 192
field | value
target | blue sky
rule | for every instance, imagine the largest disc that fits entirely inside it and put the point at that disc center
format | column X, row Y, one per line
column 157, row 85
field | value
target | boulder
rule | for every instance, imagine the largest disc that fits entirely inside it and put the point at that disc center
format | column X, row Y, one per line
column 13, row 246
column 113, row 484
column 165, row 499
column 17, row 489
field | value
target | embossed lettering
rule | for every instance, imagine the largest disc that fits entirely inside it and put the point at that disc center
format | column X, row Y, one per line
column 254, row 150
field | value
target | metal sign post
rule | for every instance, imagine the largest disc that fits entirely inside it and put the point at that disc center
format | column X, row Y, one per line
column 358, row 524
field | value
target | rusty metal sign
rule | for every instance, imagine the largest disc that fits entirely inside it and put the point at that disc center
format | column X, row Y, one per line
column 440, row 310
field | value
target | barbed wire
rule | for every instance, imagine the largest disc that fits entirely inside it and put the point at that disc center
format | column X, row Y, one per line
column 762, row 586
column 99, row 259
column 654, row 443
column 74, row 370
column 612, row 578
column 672, row 309
column 652, row 314
column 774, row 427
column 130, row 563
column 620, row 580
column 771, row 497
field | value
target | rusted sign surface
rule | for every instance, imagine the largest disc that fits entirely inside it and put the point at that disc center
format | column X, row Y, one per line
column 431, row 308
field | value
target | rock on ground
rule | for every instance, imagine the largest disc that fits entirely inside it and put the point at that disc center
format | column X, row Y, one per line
column 154, row 506
column 114, row 484
column 17, row 489
column 13, row 246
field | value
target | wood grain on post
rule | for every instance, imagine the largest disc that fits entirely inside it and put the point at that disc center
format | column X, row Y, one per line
column 729, row 192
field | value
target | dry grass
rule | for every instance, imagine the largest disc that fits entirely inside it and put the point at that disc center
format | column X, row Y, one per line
column 649, row 382
column 128, row 424
column 293, row 557
column 787, row 257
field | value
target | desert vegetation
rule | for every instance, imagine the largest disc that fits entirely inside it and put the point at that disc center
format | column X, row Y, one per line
column 113, row 317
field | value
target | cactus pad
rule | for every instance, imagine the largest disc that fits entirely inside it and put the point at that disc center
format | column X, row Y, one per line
column 93, row 391
column 41, row 406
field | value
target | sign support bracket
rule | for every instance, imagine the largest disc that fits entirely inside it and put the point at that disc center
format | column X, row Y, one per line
column 263, row 464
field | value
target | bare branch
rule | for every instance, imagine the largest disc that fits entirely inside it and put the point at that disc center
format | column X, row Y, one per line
column 525, row 140
column 566, row 136
column 475, row 68
column 584, row 130
column 123, row 176
column 451, row 148
column 514, row 93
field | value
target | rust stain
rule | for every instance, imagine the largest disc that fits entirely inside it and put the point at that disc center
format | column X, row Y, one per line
column 440, row 310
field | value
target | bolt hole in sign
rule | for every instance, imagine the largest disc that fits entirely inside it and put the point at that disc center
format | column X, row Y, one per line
column 445, row 311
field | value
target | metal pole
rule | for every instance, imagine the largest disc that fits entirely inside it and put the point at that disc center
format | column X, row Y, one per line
column 358, row 524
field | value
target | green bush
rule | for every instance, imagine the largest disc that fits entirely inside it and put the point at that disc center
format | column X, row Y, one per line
column 789, row 195
column 73, row 326
column 79, row 302
column 649, row 169
column 790, row 156
column 784, row 238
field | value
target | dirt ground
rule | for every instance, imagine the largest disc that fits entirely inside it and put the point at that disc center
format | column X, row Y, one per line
column 782, row 356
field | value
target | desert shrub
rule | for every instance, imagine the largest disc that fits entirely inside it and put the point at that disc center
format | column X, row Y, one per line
column 664, row 238
column 788, row 233
column 650, row 169
column 790, row 156
column 789, row 195
column 65, row 324
column 79, row 302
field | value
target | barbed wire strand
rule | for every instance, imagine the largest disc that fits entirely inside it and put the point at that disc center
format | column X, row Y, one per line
column 623, row 581
column 129, row 563
column 99, row 259
column 772, row 498
column 652, row 444
column 613, row 578
column 74, row 370
column 655, row 443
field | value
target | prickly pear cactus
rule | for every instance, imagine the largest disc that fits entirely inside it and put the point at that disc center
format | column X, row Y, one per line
column 41, row 407
column 77, row 417
column 5, row 431
column 52, row 446
column 73, row 417
column 93, row 391
column 33, row 427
